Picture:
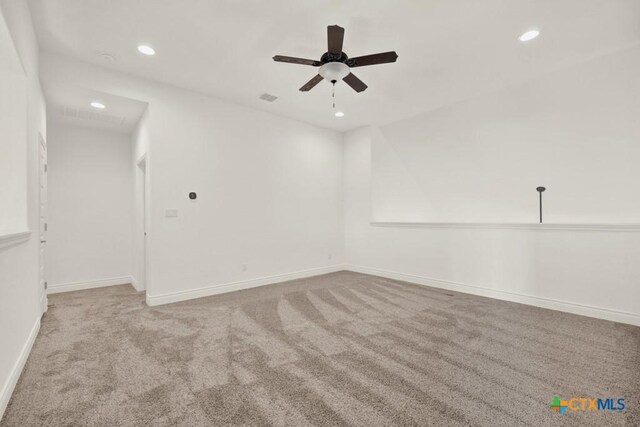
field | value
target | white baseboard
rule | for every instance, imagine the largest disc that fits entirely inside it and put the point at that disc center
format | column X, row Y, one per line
column 13, row 238
column 136, row 285
column 10, row 384
column 154, row 300
column 549, row 303
column 78, row 286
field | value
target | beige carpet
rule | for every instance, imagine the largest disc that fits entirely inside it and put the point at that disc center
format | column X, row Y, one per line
column 339, row 349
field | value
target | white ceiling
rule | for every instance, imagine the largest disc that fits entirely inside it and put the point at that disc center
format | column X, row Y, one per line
column 448, row 50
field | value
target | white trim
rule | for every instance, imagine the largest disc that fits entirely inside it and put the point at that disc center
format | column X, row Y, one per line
column 141, row 159
column 12, row 238
column 153, row 300
column 549, row 303
column 90, row 284
column 43, row 303
column 136, row 284
column 516, row 226
column 10, row 385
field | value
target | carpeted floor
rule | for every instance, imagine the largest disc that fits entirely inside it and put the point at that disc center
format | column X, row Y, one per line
column 339, row 349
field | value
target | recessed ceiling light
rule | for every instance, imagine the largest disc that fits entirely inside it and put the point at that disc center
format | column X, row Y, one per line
column 98, row 105
column 147, row 50
column 529, row 35
column 339, row 114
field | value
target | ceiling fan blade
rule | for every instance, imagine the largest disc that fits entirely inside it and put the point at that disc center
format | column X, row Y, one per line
column 357, row 84
column 376, row 58
column 292, row 60
column 311, row 83
column 335, row 36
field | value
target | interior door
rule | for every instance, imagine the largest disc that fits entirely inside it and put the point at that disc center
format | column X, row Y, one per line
column 43, row 222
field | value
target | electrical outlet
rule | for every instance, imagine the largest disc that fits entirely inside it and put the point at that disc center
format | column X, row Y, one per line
column 330, row 256
column 244, row 267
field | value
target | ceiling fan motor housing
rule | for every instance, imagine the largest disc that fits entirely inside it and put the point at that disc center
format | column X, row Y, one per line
column 333, row 57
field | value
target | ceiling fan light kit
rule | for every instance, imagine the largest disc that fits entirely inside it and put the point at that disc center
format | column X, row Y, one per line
column 334, row 71
column 335, row 65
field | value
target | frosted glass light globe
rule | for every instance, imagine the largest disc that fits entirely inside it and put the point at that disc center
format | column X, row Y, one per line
column 334, row 71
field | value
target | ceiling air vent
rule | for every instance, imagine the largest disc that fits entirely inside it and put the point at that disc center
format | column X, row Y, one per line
column 268, row 97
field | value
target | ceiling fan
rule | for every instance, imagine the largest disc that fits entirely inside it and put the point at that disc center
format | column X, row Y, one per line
column 335, row 65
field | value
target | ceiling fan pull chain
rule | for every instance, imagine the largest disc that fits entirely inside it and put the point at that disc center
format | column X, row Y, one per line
column 333, row 94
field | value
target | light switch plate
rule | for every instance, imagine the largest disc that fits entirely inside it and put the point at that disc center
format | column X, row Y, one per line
column 170, row 213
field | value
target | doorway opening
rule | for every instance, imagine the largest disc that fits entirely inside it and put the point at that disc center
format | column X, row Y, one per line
column 43, row 226
column 141, row 232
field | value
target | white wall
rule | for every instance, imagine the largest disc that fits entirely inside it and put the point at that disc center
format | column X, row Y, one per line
column 13, row 136
column 13, row 162
column 21, row 298
column 587, row 272
column 269, row 195
column 269, row 188
column 90, row 207
column 575, row 131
